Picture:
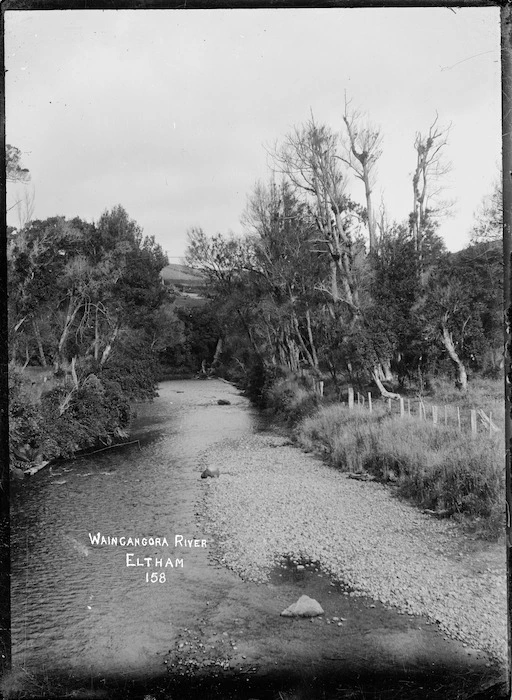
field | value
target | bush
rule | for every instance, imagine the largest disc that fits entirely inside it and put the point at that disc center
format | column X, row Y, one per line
column 25, row 418
column 290, row 398
column 65, row 420
column 96, row 412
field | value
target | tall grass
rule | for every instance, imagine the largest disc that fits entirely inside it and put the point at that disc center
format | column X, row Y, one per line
column 435, row 466
column 484, row 393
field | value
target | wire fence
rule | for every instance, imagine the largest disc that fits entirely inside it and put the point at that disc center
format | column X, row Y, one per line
column 474, row 420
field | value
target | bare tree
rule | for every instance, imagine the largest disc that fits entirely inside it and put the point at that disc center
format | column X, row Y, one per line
column 363, row 149
column 426, row 181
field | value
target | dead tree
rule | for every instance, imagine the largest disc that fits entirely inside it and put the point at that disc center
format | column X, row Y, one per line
column 363, row 150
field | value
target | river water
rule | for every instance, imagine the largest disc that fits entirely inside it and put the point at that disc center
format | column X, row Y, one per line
column 77, row 607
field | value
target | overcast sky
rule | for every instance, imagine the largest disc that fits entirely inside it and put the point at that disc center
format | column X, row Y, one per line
column 169, row 112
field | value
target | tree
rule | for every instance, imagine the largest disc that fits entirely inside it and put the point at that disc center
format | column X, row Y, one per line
column 488, row 226
column 309, row 158
column 461, row 308
column 17, row 174
column 362, row 152
column 286, row 271
column 88, row 287
column 15, row 171
column 40, row 260
column 426, row 181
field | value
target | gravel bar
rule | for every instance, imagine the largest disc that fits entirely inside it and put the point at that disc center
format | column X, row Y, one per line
column 272, row 500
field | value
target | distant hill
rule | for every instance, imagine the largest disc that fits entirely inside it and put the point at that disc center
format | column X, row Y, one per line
column 187, row 285
column 182, row 277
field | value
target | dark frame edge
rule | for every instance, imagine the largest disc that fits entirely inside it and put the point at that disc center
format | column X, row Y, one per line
column 5, row 558
column 506, row 67
column 506, row 124
column 20, row 5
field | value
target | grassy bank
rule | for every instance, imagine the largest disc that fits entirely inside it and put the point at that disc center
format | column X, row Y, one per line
column 437, row 467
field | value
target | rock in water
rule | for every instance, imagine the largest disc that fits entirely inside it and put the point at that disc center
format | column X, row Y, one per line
column 210, row 472
column 304, row 607
column 224, row 402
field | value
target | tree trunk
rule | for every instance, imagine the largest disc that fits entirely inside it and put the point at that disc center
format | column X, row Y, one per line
column 250, row 336
column 108, row 348
column 96, row 336
column 39, row 342
column 369, row 209
column 216, row 356
column 311, row 340
column 384, row 371
column 383, row 391
column 462, row 377
column 311, row 360
column 70, row 317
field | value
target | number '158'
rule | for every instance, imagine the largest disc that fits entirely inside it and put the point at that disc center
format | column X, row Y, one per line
column 154, row 577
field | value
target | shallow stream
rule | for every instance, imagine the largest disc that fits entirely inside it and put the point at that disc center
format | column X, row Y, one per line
column 79, row 606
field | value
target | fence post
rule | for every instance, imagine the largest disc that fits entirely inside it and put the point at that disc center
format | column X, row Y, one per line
column 350, row 397
column 401, row 407
column 321, row 387
column 473, row 422
column 409, row 407
column 370, row 401
column 389, row 405
column 434, row 415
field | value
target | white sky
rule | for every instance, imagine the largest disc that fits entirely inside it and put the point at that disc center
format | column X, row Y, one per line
column 168, row 112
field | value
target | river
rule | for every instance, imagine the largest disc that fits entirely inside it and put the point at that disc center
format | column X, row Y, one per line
column 86, row 623
column 77, row 607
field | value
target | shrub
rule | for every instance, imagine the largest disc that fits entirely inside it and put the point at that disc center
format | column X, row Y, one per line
column 290, row 398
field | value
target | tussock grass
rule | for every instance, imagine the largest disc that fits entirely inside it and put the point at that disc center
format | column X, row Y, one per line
column 435, row 466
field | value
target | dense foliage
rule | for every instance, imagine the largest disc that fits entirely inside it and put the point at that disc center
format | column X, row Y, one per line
column 87, row 312
column 302, row 290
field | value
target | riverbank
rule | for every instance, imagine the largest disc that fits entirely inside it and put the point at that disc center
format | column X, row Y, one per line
column 273, row 501
column 94, row 627
column 443, row 465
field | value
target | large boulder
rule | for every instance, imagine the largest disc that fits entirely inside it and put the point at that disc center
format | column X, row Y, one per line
column 304, row 607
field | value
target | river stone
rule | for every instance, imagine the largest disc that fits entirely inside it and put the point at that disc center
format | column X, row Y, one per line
column 210, row 472
column 304, row 607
